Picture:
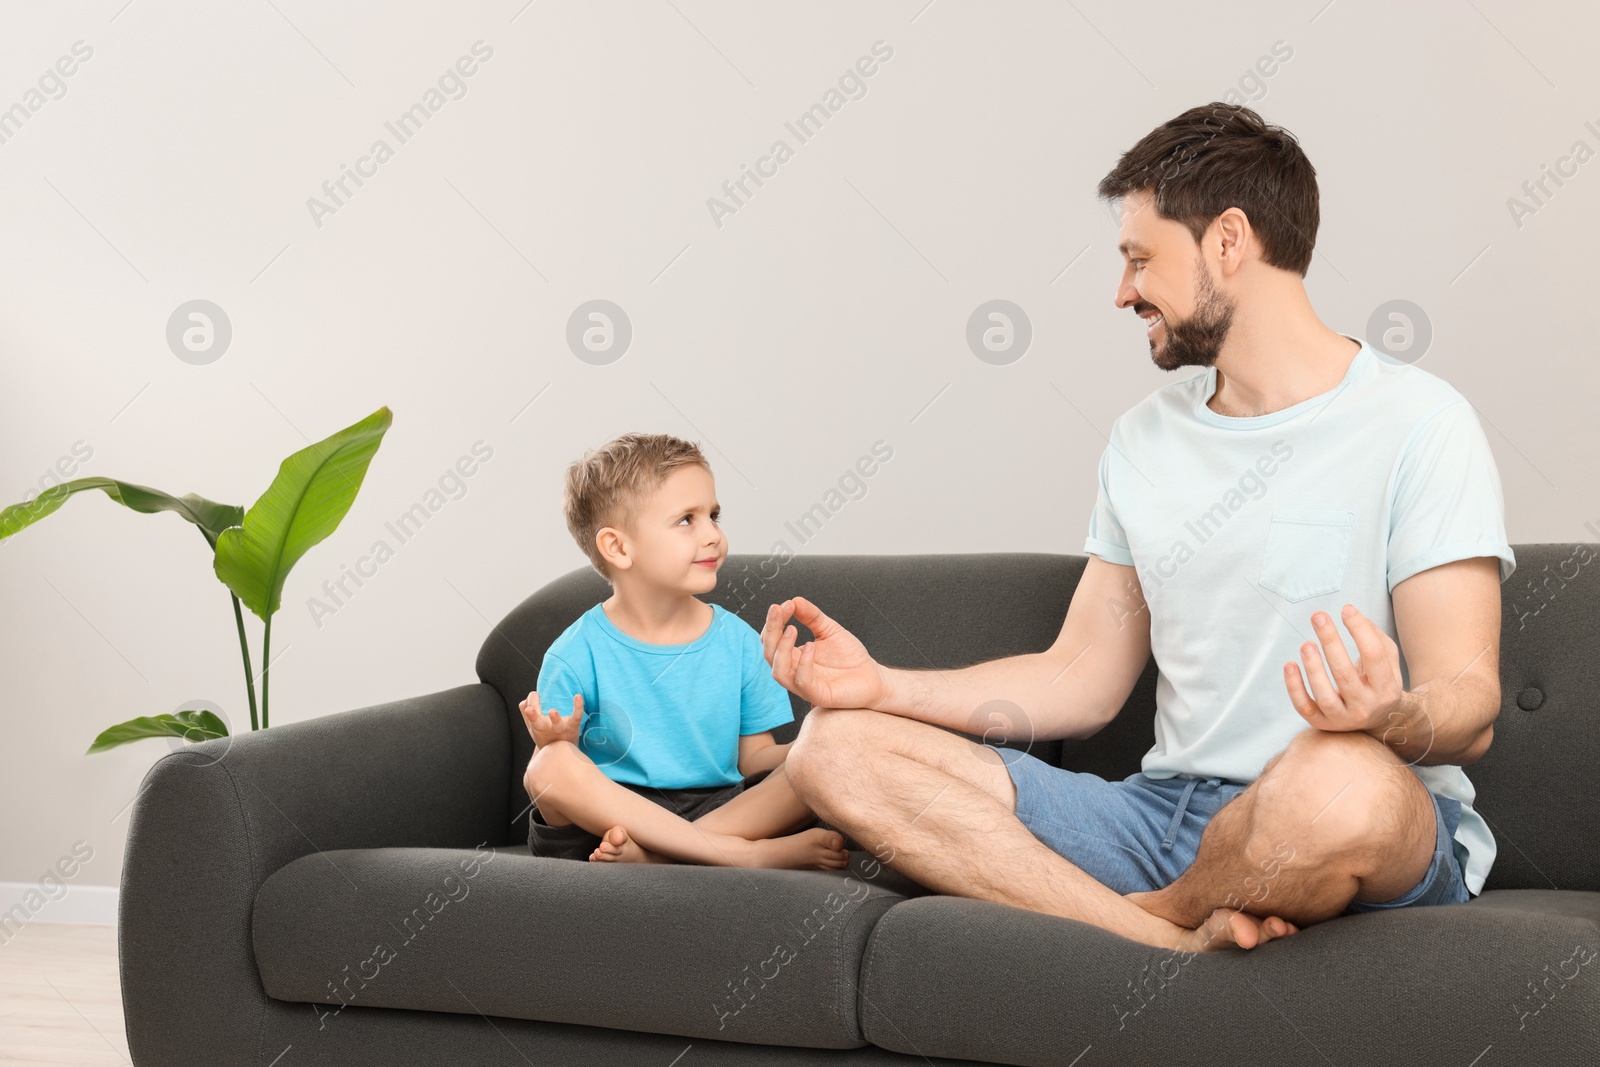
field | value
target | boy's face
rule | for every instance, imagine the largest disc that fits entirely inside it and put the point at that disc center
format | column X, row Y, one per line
column 673, row 531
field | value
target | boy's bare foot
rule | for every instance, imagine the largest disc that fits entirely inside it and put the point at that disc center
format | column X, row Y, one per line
column 617, row 847
column 1227, row 928
column 814, row 849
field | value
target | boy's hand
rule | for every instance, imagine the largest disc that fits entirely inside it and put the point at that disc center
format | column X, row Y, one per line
column 832, row 671
column 546, row 728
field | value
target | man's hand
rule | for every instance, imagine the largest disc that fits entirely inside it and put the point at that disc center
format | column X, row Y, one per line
column 1370, row 691
column 832, row 671
column 552, row 727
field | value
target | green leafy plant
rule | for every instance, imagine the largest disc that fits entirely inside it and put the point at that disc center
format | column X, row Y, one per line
column 252, row 551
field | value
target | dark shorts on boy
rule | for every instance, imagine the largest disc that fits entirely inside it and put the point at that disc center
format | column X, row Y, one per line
column 573, row 842
column 1139, row 834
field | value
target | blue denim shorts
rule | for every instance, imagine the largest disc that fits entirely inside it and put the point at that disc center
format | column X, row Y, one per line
column 1139, row 834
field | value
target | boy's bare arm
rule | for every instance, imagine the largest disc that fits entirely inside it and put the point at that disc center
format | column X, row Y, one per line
column 759, row 752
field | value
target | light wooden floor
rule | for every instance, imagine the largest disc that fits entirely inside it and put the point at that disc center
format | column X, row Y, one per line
column 60, row 1001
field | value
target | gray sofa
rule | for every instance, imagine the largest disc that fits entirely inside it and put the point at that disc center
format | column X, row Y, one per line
column 357, row 889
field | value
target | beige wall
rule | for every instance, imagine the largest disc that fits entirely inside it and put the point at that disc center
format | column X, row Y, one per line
column 826, row 314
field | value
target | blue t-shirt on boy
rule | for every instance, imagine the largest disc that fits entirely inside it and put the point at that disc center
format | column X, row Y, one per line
column 668, row 716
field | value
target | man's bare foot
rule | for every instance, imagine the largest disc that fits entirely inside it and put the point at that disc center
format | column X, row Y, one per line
column 618, row 847
column 1226, row 928
column 816, row 848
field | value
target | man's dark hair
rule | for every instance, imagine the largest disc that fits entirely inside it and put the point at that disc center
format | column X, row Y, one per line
column 1218, row 156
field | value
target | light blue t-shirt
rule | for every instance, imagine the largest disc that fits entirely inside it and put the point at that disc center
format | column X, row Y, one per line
column 668, row 716
column 1241, row 528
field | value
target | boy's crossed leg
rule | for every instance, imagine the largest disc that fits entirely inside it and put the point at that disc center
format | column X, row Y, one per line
column 568, row 788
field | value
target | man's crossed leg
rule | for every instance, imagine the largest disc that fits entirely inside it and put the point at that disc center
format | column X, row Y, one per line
column 1334, row 818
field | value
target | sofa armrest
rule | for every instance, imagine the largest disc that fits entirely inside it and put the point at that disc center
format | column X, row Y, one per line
column 212, row 821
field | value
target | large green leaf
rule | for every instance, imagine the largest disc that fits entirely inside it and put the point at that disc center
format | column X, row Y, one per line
column 304, row 504
column 189, row 725
column 212, row 518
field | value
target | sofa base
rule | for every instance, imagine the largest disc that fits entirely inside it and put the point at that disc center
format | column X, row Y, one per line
column 405, row 1038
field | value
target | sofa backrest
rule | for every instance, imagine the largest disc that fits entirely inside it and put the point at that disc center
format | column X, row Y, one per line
column 1536, row 785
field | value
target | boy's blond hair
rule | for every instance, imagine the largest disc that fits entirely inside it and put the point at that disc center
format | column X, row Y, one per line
column 606, row 486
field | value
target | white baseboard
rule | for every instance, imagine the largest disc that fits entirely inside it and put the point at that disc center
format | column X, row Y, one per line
column 93, row 904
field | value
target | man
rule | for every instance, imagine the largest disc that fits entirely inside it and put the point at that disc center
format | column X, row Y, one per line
column 1299, row 482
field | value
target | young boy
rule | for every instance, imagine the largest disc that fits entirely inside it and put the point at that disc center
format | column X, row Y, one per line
column 669, row 700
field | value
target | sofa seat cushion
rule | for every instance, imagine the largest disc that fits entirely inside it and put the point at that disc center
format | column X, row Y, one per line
column 951, row 977
column 761, row 956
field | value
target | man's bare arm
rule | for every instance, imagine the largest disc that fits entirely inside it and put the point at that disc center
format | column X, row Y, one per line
column 1448, row 622
column 1072, row 689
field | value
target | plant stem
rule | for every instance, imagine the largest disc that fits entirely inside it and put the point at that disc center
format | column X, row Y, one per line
column 266, row 665
column 244, row 650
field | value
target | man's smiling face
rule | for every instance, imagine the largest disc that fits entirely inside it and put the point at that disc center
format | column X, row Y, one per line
column 1167, row 283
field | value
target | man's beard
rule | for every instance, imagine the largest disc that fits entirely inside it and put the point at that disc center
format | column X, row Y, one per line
column 1197, row 340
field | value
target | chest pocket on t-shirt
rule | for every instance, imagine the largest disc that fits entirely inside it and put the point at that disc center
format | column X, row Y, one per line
column 1306, row 551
